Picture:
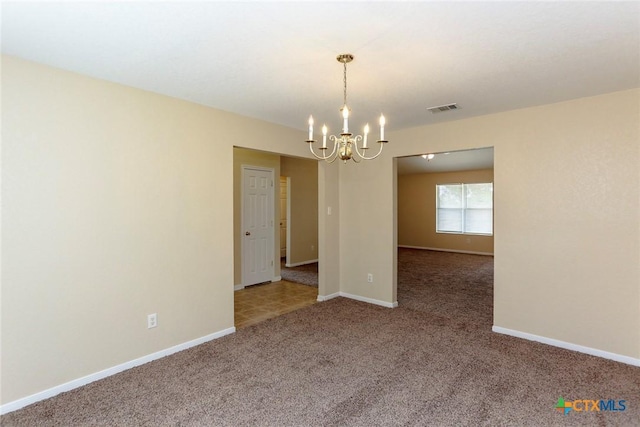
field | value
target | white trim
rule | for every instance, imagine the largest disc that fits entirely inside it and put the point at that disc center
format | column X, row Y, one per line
column 276, row 279
column 322, row 298
column 370, row 300
column 568, row 346
column 447, row 250
column 287, row 255
column 238, row 287
column 79, row 382
column 297, row 264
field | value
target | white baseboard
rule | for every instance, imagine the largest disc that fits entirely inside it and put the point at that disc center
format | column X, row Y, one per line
column 447, row 250
column 322, row 298
column 238, row 287
column 370, row 300
column 568, row 346
column 21, row 403
column 276, row 279
column 297, row 264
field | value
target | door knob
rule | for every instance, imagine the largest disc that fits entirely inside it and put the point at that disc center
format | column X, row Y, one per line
column 246, row 233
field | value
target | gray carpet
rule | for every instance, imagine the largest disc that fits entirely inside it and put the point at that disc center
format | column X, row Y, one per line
column 306, row 274
column 432, row 361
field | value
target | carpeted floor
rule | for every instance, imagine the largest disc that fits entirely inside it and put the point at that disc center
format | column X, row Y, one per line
column 431, row 361
column 306, row 274
column 447, row 284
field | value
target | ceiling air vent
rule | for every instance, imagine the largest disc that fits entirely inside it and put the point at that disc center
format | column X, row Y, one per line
column 443, row 108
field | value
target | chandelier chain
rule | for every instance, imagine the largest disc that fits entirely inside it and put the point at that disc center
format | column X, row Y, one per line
column 345, row 84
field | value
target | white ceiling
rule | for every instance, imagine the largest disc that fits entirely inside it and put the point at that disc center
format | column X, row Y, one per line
column 481, row 158
column 276, row 60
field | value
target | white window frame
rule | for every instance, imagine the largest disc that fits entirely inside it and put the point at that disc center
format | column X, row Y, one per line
column 463, row 210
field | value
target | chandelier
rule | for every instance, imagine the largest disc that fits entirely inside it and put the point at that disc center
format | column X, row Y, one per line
column 345, row 146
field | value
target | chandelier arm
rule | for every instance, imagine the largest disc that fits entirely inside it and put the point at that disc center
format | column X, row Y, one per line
column 319, row 157
column 372, row 157
column 334, row 152
column 354, row 141
column 332, row 160
column 323, row 157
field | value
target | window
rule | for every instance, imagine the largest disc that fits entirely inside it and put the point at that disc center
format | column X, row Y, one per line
column 464, row 208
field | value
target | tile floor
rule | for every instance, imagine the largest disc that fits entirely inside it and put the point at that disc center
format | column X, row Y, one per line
column 261, row 302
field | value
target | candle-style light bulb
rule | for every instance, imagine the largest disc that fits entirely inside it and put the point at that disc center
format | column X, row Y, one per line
column 310, row 128
column 345, row 116
column 382, row 123
column 324, row 136
column 366, row 132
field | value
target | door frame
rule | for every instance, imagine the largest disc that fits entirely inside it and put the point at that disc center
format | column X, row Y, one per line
column 288, row 232
column 244, row 168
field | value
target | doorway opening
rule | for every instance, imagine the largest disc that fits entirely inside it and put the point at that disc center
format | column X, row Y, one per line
column 445, row 268
column 291, row 215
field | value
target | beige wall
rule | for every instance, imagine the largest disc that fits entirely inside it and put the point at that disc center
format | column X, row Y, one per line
column 117, row 203
column 367, row 243
column 417, row 212
column 303, row 220
column 328, row 229
column 245, row 157
column 567, row 217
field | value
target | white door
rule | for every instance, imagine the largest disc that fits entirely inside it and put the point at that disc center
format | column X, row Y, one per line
column 257, row 223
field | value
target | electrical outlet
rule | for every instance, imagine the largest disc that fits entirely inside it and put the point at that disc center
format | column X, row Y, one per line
column 313, row 248
column 152, row 321
column 370, row 278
